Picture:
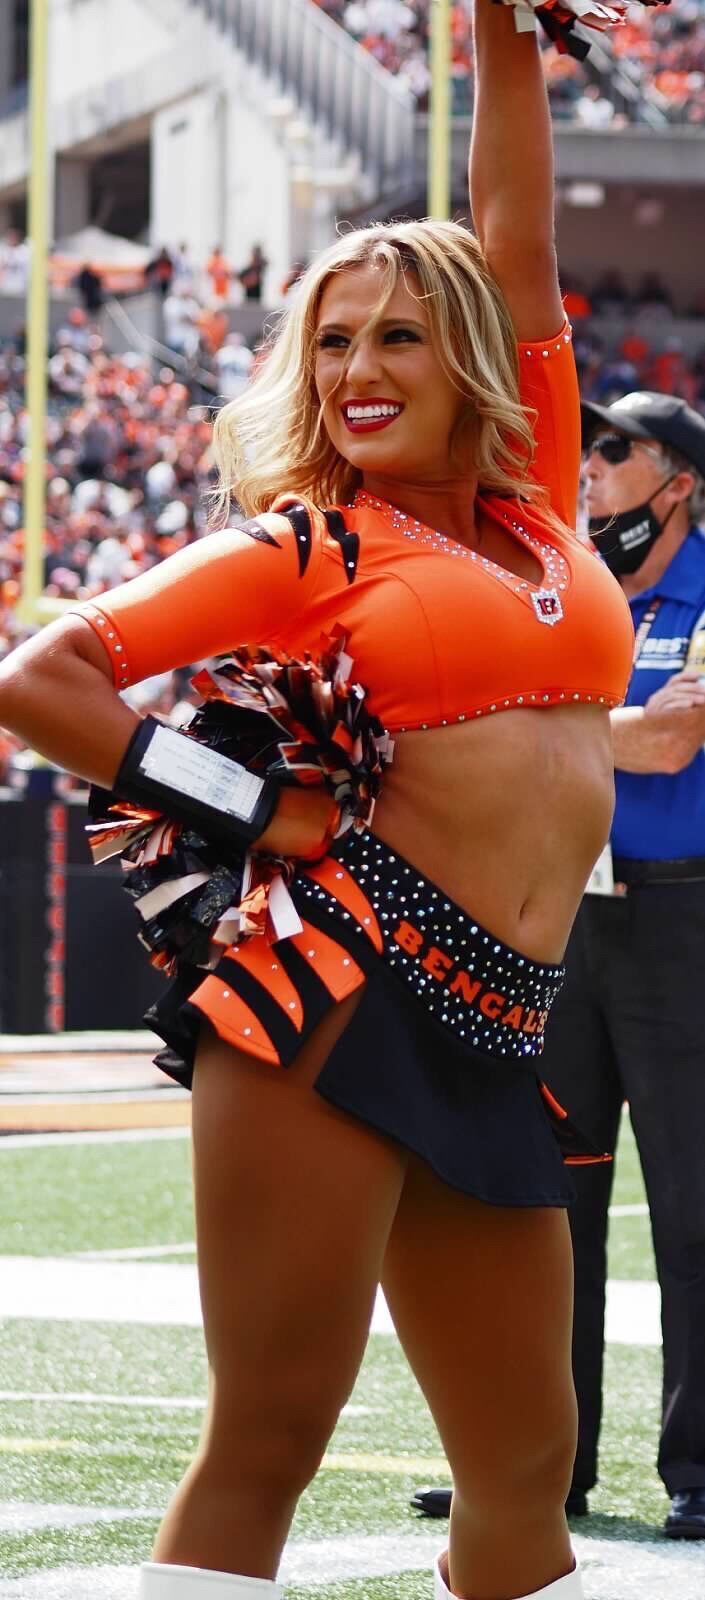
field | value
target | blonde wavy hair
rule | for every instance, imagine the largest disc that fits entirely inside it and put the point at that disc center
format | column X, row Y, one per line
column 273, row 440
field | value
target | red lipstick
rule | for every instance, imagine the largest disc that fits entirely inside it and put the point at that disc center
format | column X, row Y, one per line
column 370, row 415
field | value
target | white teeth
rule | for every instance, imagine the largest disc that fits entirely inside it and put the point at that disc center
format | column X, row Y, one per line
column 371, row 413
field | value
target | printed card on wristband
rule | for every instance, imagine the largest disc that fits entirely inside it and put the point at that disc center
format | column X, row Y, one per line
column 201, row 774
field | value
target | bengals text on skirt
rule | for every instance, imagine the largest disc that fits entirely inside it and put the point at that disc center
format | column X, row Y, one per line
column 441, row 1053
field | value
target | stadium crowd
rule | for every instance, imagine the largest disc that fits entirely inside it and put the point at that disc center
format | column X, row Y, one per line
column 128, row 439
column 211, row 283
column 129, row 462
column 128, row 467
column 655, row 62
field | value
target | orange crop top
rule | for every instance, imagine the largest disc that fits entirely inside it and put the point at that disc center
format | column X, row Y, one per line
column 437, row 632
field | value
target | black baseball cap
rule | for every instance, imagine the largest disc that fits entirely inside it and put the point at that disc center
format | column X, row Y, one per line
column 644, row 414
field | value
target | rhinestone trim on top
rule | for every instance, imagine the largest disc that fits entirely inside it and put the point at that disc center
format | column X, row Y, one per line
column 556, row 569
column 115, row 647
column 553, row 348
column 537, row 698
column 557, row 576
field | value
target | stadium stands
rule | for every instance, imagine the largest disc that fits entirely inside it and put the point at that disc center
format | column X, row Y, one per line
column 651, row 70
column 129, row 446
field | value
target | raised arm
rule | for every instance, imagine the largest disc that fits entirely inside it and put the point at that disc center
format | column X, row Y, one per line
column 511, row 171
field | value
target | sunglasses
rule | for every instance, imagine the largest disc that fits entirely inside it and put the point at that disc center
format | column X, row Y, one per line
column 615, row 448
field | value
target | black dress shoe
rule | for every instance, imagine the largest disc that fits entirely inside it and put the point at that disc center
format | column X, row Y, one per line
column 436, row 1503
column 432, row 1502
column 686, row 1518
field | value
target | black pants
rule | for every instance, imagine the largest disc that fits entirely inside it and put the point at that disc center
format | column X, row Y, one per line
column 630, row 1025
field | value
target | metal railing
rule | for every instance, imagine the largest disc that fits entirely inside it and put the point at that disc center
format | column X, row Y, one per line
column 621, row 80
column 332, row 80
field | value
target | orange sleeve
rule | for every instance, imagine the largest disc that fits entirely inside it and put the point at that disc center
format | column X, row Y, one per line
column 238, row 587
column 548, row 385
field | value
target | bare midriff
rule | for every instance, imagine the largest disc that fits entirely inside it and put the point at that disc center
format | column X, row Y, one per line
column 507, row 816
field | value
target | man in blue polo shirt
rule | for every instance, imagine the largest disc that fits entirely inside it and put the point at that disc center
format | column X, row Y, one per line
column 630, row 1022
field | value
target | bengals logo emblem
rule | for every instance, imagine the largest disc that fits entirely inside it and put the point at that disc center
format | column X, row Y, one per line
column 547, row 605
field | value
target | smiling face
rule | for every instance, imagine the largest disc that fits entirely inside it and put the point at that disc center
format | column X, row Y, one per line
column 388, row 404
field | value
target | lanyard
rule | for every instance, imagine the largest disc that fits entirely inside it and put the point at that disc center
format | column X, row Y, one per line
column 601, row 880
column 644, row 629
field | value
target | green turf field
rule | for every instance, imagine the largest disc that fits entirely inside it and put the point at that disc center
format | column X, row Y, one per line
column 71, row 1440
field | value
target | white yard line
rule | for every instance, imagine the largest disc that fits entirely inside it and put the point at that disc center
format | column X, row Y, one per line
column 56, row 1289
column 135, row 1252
column 17, row 1516
column 85, row 1397
column 612, row 1569
column 39, row 1141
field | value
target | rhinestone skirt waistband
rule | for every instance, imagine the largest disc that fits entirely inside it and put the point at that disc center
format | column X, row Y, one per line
column 485, row 993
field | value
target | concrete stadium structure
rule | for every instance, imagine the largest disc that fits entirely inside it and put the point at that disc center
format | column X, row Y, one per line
column 230, row 122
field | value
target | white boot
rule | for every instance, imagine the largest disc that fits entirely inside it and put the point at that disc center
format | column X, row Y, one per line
column 568, row 1588
column 161, row 1582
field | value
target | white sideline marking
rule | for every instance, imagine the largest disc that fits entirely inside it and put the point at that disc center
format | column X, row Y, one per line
column 641, row 1210
column 20, row 1516
column 195, row 1402
column 611, row 1569
column 56, row 1289
column 57, row 1397
column 37, row 1141
column 135, row 1252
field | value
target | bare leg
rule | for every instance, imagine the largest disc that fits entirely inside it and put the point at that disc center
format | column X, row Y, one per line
column 294, row 1203
column 482, row 1300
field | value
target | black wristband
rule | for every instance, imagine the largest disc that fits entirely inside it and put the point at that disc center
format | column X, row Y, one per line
column 167, row 771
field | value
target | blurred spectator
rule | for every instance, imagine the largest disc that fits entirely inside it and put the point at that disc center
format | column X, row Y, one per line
column 90, row 288
column 634, row 347
column 212, row 327
column 610, row 296
column 14, row 263
column 76, row 333
column 252, row 274
column 670, row 373
column 593, row 109
column 67, row 370
column 181, row 316
column 294, row 276
column 220, row 273
column 233, row 363
column 616, row 376
column 576, row 302
column 159, row 272
column 652, row 294
column 99, row 441
column 184, row 275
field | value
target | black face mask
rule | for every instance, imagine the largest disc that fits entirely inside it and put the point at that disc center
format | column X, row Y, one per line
column 625, row 541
